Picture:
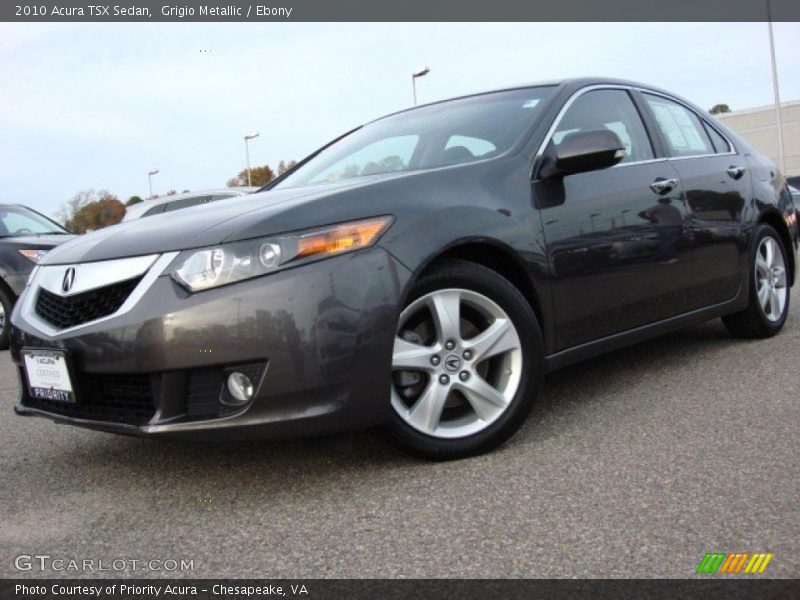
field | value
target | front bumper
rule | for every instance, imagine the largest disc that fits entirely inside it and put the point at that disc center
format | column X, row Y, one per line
column 319, row 338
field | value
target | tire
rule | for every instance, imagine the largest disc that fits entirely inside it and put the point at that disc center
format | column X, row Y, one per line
column 765, row 314
column 6, row 304
column 482, row 376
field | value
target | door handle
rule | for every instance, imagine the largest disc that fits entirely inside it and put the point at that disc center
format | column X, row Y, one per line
column 736, row 172
column 662, row 186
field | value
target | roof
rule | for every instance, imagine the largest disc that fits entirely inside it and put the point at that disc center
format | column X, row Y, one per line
column 572, row 82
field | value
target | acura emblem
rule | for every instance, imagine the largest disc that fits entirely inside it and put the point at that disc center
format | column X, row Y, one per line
column 69, row 279
column 452, row 363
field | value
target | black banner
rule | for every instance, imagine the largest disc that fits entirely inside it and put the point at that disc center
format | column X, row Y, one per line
column 408, row 10
column 382, row 589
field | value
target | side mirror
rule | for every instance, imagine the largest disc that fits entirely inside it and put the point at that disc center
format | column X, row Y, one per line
column 583, row 151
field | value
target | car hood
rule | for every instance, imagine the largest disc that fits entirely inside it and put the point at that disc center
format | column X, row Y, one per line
column 244, row 217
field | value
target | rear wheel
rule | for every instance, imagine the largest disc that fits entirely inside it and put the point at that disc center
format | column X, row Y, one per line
column 467, row 363
column 769, row 289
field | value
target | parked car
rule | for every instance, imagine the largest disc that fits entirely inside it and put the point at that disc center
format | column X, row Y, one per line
column 422, row 273
column 163, row 204
column 25, row 237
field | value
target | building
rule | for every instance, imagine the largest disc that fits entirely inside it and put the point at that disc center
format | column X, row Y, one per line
column 757, row 126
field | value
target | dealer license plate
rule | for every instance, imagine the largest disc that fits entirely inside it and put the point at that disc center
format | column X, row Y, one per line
column 48, row 375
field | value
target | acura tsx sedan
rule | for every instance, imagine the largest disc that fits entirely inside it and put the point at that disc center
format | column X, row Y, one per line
column 421, row 272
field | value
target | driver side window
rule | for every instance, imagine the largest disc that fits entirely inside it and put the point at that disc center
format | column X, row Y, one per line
column 612, row 110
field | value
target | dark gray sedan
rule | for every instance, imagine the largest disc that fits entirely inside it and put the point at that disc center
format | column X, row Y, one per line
column 25, row 237
column 421, row 272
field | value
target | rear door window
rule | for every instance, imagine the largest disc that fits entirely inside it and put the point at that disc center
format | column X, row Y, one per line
column 680, row 127
column 721, row 145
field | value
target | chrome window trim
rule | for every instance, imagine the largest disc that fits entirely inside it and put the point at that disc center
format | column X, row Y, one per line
column 42, row 327
column 673, row 158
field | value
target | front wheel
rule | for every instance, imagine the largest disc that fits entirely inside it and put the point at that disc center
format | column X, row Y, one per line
column 467, row 363
column 769, row 289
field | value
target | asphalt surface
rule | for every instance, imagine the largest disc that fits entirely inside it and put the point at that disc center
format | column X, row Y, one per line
column 634, row 464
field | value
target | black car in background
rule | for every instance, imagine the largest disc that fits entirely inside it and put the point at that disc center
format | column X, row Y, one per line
column 25, row 237
column 421, row 272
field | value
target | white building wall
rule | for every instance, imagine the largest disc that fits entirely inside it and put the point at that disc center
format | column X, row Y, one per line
column 757, row 126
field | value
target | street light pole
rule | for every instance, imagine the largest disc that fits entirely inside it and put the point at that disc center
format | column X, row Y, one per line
column 418, row 73
column 247, row 138
column 775, row 91
column 150, row 180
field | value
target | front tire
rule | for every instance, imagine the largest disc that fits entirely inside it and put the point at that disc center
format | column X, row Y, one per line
column 467, row 363
column 769, row 289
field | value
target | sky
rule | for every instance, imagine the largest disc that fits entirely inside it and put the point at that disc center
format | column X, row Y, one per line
column 99, row 105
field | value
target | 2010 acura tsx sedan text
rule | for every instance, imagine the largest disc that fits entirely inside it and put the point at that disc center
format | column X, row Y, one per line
column 421, row 272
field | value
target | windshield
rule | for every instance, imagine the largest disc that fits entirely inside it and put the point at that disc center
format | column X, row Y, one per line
column 448, row 133
column 17, row 221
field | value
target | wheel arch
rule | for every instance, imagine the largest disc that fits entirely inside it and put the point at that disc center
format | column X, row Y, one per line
column 501, row 259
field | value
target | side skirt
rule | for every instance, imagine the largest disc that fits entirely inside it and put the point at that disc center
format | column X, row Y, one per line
column 645, row 332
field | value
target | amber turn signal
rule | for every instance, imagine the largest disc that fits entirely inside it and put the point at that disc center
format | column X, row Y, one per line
column 342, row 238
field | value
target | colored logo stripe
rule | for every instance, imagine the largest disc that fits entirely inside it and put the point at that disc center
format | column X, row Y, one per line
column 711, row 562
column 758, row 563
column 734, row 562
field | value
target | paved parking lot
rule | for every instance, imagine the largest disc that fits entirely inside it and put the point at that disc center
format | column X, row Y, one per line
column 634, row 464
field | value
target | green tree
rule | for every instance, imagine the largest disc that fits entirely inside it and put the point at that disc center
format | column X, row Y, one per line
column 133, row 200
column 89, row 210
column 718, row 109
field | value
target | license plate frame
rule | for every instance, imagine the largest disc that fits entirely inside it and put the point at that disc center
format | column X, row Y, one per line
column 48, row 375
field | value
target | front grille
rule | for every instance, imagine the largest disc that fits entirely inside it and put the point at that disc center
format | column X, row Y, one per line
column 124, row 399
column 69, row 311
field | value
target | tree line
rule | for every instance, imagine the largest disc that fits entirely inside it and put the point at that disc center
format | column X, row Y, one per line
column 91, row 209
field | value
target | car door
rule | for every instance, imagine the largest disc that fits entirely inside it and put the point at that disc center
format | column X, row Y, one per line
column 615, row 238
column 715, row 186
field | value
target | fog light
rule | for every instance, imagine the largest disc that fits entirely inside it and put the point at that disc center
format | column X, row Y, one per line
column 240, row 387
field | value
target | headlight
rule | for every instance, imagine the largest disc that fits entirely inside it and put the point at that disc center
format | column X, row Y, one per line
column 33, row 255
column 220, row 265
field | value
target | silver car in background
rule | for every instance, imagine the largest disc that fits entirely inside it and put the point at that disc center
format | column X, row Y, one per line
column 156, row 206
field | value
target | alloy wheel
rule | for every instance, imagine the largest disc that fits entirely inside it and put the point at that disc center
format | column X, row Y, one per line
column 457, row 363
column 770, row 273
